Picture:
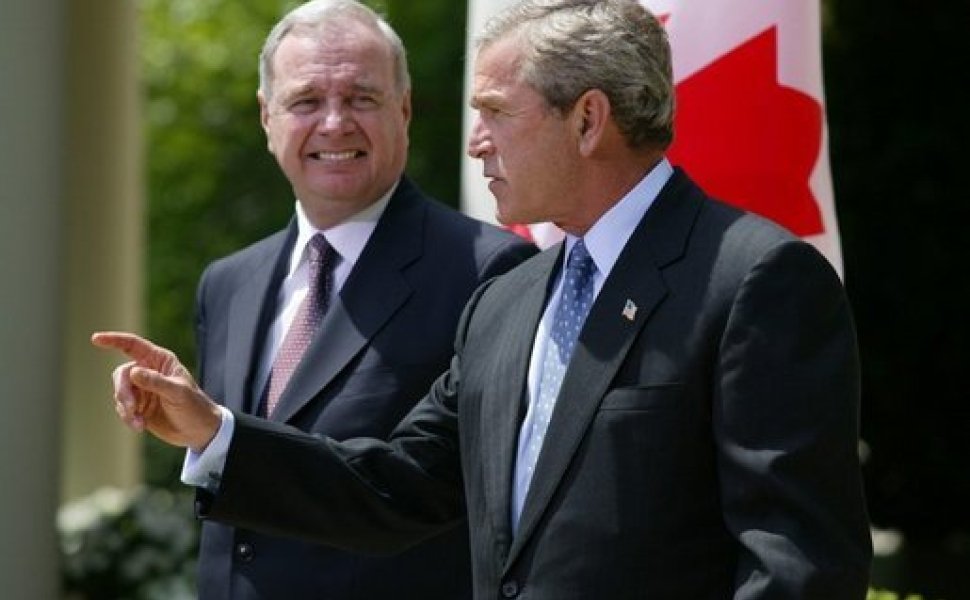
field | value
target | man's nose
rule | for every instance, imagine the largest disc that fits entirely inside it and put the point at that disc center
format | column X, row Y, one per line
column 335, row 118
column 480, row 140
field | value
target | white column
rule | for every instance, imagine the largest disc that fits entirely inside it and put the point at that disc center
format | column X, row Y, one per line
column 31, row 292
column 104, row 238
column 71, row 239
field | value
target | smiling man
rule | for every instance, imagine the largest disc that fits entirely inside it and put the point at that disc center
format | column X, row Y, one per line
column 335, row 103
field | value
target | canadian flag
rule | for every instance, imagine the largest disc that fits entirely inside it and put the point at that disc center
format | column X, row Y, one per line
column 750, row 125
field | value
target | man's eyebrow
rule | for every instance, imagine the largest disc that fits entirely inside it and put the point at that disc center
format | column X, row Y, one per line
column 484, row 99
column 368, row 88
column 308, row 87
column 295, row 91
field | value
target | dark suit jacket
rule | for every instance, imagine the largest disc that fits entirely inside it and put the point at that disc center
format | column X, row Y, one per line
column 705, row 448
column 382, row 343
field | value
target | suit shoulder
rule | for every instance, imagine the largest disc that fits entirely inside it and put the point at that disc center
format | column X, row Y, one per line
column 715, row 218
column 741, row 244
column 536, row 266
column 761, row 234
column 444, row 217
column 453, row 231
column 243, row 261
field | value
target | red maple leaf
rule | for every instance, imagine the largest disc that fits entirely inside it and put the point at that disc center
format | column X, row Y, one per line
column 749, row 140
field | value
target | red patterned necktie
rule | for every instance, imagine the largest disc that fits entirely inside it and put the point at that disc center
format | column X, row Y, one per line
column 322, row 259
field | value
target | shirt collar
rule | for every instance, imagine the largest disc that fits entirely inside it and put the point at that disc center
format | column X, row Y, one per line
column 348, row 237
column 608, row 236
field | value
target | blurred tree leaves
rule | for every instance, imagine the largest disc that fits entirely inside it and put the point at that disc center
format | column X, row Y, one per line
column 434, row 35
column 212, row 185
column 136, row 545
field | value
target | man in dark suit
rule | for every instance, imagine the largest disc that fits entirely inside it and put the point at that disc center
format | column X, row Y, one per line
column 663, row 406
column 334, row 100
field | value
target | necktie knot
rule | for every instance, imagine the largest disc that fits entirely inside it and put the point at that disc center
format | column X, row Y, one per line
column 319, row 252
column 318, row 245
column 321, row 258
column 580, row 262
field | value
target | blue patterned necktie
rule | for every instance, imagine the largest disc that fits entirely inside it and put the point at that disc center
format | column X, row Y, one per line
column 322, row 259
column 574, row 304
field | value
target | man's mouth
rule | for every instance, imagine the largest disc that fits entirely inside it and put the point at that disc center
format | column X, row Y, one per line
column 332, row 156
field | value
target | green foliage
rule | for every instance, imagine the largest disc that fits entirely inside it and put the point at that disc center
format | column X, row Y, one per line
column 434, row 34
column 212, row 185
column 138, row 546
column 886, row 595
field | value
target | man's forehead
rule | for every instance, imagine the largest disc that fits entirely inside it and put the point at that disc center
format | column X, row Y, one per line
column 319, row 62
column 326, row 44
column 341, row 46
column 498, row 64
column 504, row 52
column 500, row 87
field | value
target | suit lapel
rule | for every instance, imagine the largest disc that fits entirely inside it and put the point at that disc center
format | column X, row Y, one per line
column 373, row 292
column 503, row 416
column 250, row 314
column 606, row 339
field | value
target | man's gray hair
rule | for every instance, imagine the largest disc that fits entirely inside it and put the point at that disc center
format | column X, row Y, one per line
column 316, row 13
column 615, row 46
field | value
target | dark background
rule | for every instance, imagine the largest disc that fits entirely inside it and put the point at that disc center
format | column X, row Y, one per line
column 894, row 75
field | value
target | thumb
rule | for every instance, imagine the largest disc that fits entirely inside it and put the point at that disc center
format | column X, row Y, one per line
column 168, row 388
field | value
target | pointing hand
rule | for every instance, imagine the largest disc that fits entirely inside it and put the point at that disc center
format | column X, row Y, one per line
column 154, row 391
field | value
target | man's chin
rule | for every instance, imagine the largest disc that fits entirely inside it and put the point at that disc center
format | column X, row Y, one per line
column 506, row 215
column 509, row 218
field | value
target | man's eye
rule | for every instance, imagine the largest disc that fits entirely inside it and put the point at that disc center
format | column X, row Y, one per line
column 363, row 102
column 303, row 105
column 489, row 112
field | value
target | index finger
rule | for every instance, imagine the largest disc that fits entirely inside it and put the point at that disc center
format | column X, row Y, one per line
column 134, row 346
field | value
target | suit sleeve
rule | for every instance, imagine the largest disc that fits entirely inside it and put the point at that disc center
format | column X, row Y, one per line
column 786, row 422
column 200, row 325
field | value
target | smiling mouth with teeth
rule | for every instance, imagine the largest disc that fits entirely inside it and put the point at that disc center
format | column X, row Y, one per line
column 335, row 156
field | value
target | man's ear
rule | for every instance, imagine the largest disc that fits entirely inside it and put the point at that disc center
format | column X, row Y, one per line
column 591, row 114
column 406, row 107
column 264, row 117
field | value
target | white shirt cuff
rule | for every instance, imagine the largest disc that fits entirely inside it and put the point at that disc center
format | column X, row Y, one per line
column 204, row 469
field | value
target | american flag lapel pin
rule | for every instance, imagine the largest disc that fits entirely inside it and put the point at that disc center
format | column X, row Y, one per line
column 630, row 310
